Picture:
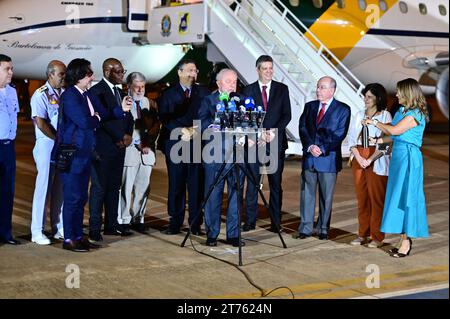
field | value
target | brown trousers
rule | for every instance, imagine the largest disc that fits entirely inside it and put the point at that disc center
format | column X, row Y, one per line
column 370, row 192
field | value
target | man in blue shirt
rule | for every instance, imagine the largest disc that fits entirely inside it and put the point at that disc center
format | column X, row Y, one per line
column 9, row 107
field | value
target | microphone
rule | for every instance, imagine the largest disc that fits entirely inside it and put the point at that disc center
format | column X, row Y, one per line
column 232, row 106
column 235, row 97
column 249, row 103
column 224, row 97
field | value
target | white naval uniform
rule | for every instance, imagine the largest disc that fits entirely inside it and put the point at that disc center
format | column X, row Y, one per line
column 135, row 178
column 44, row 104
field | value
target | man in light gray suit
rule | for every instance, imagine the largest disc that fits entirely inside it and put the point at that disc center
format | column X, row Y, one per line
column 139, row 157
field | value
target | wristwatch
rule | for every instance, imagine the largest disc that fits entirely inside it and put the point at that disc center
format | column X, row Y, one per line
column 375, row 122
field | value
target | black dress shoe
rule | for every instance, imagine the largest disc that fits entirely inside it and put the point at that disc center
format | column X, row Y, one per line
column 75, row 245
column 139, row 227
column 88, row 244
column 235, row 242
column 274, row 229
column 95, row 237
column 248, row 227
column 111, row 232
column 323, row 236
column 169, row 231
column 197, row 232
column 11, row 241
column 211, row 242
column 123, row 230
column 301, row 236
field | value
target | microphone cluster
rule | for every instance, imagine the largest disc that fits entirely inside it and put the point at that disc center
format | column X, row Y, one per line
column 232, row 112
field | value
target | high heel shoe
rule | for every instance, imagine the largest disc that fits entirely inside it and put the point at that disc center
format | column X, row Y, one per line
column 401, row 255
column 395, row 249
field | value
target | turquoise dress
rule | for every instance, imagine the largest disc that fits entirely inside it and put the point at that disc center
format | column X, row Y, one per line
column 404, row 207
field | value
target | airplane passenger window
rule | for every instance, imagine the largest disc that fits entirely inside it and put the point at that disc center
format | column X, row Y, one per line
column 422, row 8
column 341, row 4
column 362, row 4
column 318, row 4
column 403, row 7
column 383, row 5
column 442, row 10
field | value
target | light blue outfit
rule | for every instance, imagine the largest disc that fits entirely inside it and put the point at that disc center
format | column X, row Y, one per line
column 404, row 207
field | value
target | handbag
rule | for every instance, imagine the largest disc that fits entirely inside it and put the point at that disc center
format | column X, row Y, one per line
column 63, row 153
column 64, row 157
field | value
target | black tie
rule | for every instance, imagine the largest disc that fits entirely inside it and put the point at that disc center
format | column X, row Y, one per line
column 117, row 94
column 138, row 109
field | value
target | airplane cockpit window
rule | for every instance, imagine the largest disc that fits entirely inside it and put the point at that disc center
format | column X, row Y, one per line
column 383, row 5
column 403, row 7
column 318, row 4
column 341, row 4
column 362, row 4
column 442, row 10
column 423, row 8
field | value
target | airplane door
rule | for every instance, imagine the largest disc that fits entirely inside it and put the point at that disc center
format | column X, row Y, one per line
column 137, row 18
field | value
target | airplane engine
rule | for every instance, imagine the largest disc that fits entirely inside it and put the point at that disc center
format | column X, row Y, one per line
column 442, row 92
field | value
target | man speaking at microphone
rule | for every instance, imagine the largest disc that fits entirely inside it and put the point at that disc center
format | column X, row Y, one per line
column 218, row 102
column 273, row 96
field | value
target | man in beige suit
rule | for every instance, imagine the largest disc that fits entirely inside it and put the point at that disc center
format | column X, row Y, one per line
column 139, row 157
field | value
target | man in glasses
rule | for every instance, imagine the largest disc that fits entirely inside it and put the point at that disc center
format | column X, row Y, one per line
column 112, row 138
column 177, row 107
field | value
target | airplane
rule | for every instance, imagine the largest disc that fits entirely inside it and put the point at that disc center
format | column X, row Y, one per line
column 410, row 38
column 385, row 41
column 33, row 33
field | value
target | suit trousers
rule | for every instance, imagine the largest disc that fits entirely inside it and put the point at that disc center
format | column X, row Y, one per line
column 75, row 188
column 7, row 178
column 276, row 191
column 105, row 190
column 370, row 191
column 213, row 207
column 310, row 179
column 182, row 176
column 48, row 187
column 135, row 181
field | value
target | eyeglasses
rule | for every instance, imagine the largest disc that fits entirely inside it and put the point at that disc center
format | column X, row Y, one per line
column 89, row 73
column 119, row 71
column 191, row 71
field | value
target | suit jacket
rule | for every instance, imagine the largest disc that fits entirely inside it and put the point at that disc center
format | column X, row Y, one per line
column 175, row 111
column 112, row 131
column 146, row 129
column 278, row 114
column 328, row 135
column 78, row 126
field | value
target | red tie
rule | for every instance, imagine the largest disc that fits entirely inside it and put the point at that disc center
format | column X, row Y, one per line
column 186, row 94
column 264, row 97
column 321, row 113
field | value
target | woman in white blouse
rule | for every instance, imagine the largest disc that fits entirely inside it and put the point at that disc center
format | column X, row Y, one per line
column 370, row 166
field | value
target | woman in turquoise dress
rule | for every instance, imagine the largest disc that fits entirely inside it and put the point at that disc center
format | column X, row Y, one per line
column 404, row 207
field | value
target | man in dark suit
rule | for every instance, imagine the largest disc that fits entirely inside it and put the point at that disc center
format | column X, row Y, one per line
column 216, row 151
column 178, row 106
column 79, row 120
column 273, row 96
column 323, row 126
column 112, row 138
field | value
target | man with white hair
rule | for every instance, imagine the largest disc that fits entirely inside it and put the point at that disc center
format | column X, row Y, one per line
column 139, row 157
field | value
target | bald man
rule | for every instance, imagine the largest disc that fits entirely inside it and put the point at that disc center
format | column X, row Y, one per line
column 112, row 138
column 323, row 126
column 44, row 112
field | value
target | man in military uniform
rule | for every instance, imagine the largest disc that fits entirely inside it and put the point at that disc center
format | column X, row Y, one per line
column 44, row 112
column 9, row 107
